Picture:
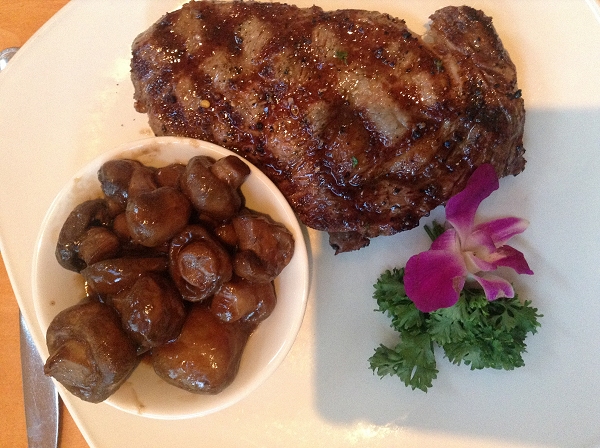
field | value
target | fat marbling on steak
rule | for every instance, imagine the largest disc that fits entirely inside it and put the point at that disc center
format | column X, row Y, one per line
column 363, row 125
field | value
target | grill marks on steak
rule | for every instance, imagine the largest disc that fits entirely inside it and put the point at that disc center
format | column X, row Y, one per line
column 364, row 126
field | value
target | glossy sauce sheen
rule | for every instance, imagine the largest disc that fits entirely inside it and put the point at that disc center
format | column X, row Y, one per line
column 364, row 126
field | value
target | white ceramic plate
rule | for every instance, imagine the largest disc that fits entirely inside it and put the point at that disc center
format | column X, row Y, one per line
column 66, row 97
column 144, row 393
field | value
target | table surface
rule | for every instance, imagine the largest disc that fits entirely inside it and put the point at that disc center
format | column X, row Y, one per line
column 19, row 20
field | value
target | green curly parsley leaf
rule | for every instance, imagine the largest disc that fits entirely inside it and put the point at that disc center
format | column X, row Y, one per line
column 476, row 332
column 412, row 360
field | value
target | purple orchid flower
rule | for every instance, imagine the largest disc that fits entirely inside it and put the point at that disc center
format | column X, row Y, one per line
column 435, row 278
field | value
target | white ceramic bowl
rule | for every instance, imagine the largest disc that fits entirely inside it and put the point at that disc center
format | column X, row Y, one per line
column 144, row 393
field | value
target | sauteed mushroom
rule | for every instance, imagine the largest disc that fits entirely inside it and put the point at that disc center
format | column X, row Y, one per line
column 231, row 170
column 205, row 357
column 240, row 299
column 124, row 178
column 97, row 244
column 265, row 247
column 170, row 175
column 112, row 276
column 152, row 311
column 209, row 194
column 198, row 264
column 85, row 216
column 90, row 353
column 154, row 217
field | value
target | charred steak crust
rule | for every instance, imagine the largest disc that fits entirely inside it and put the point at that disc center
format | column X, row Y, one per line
column 363, row 125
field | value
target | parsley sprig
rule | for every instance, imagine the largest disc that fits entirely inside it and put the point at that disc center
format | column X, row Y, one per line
column 475, row 331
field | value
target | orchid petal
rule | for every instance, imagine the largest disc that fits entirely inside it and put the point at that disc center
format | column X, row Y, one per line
column 503, row 229
column 477, row 264
column 512, row 258
column 434, row 279
column 495, row 287
column 447, row 241
column 461, row 208
column 479, row 240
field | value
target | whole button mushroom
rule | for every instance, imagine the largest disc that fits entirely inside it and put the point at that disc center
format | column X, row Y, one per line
column 154, row 217
column 123, row 179
column 231, row 170
column 205, row 357
column 88, row 214
column 198, row 263
column 265, row 247
column 240, row 299
column 152, row 311
column 209, row 194
column 90, row 353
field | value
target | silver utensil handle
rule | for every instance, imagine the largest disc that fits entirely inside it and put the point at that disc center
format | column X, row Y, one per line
column 40, row 395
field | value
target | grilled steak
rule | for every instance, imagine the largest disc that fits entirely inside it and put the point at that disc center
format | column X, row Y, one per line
column 362, row 124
